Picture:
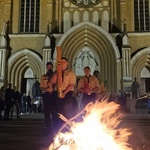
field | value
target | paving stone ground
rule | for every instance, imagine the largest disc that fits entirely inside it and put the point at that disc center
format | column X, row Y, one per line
column 28, row 133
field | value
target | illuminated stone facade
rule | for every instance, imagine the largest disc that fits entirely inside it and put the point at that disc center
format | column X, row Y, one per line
column 100, row 34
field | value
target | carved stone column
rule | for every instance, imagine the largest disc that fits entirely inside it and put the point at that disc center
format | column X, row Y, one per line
column 2, row 60
column 126, row 60
column 126, row 70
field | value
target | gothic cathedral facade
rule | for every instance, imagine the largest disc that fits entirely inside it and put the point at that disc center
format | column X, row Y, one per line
column 111, row 36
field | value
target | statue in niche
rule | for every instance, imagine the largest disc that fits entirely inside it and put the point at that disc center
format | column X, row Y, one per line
column 135, row 89
column 85, row 58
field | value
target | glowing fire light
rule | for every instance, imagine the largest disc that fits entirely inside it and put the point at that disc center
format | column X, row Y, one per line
column 99, row 130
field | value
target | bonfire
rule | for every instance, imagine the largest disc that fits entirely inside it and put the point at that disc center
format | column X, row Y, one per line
column 98, row 129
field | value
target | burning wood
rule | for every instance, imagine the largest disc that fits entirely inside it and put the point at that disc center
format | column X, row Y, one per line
column 70, row 121
column 98, row 130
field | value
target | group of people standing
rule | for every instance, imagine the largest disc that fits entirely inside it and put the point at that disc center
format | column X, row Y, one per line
column 65, row 104
column 11, row 98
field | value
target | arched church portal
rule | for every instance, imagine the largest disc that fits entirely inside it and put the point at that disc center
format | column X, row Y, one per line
column 140, row 67
column 89, row 44
column 24, row 65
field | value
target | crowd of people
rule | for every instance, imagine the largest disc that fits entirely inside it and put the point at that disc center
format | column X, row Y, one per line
column 62, row 96
column 10, row 99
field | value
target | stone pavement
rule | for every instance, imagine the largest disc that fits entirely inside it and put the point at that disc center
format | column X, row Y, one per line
column 28, row 133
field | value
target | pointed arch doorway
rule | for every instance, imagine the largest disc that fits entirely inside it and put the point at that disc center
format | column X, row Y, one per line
column 140, row 67
column 145, row 80
column 95, row 45
column 24, row 65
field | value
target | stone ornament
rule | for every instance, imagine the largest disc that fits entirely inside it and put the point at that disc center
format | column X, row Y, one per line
column 85, row 2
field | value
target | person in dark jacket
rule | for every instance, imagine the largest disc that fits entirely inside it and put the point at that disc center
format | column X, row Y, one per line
column 2, row 98
column 9, row 100
column 17, row 101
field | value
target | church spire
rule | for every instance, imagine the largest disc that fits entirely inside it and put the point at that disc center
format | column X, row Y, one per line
column 125, row 38
column 48, row 36
column 4, row 29
column 3, row 38
column 49, row 25
column 47, row 54
column 124, row 26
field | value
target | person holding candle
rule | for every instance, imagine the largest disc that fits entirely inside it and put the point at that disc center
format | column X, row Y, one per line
column 89, row 86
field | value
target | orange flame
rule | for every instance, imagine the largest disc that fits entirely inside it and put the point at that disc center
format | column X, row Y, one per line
column 99, row 130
